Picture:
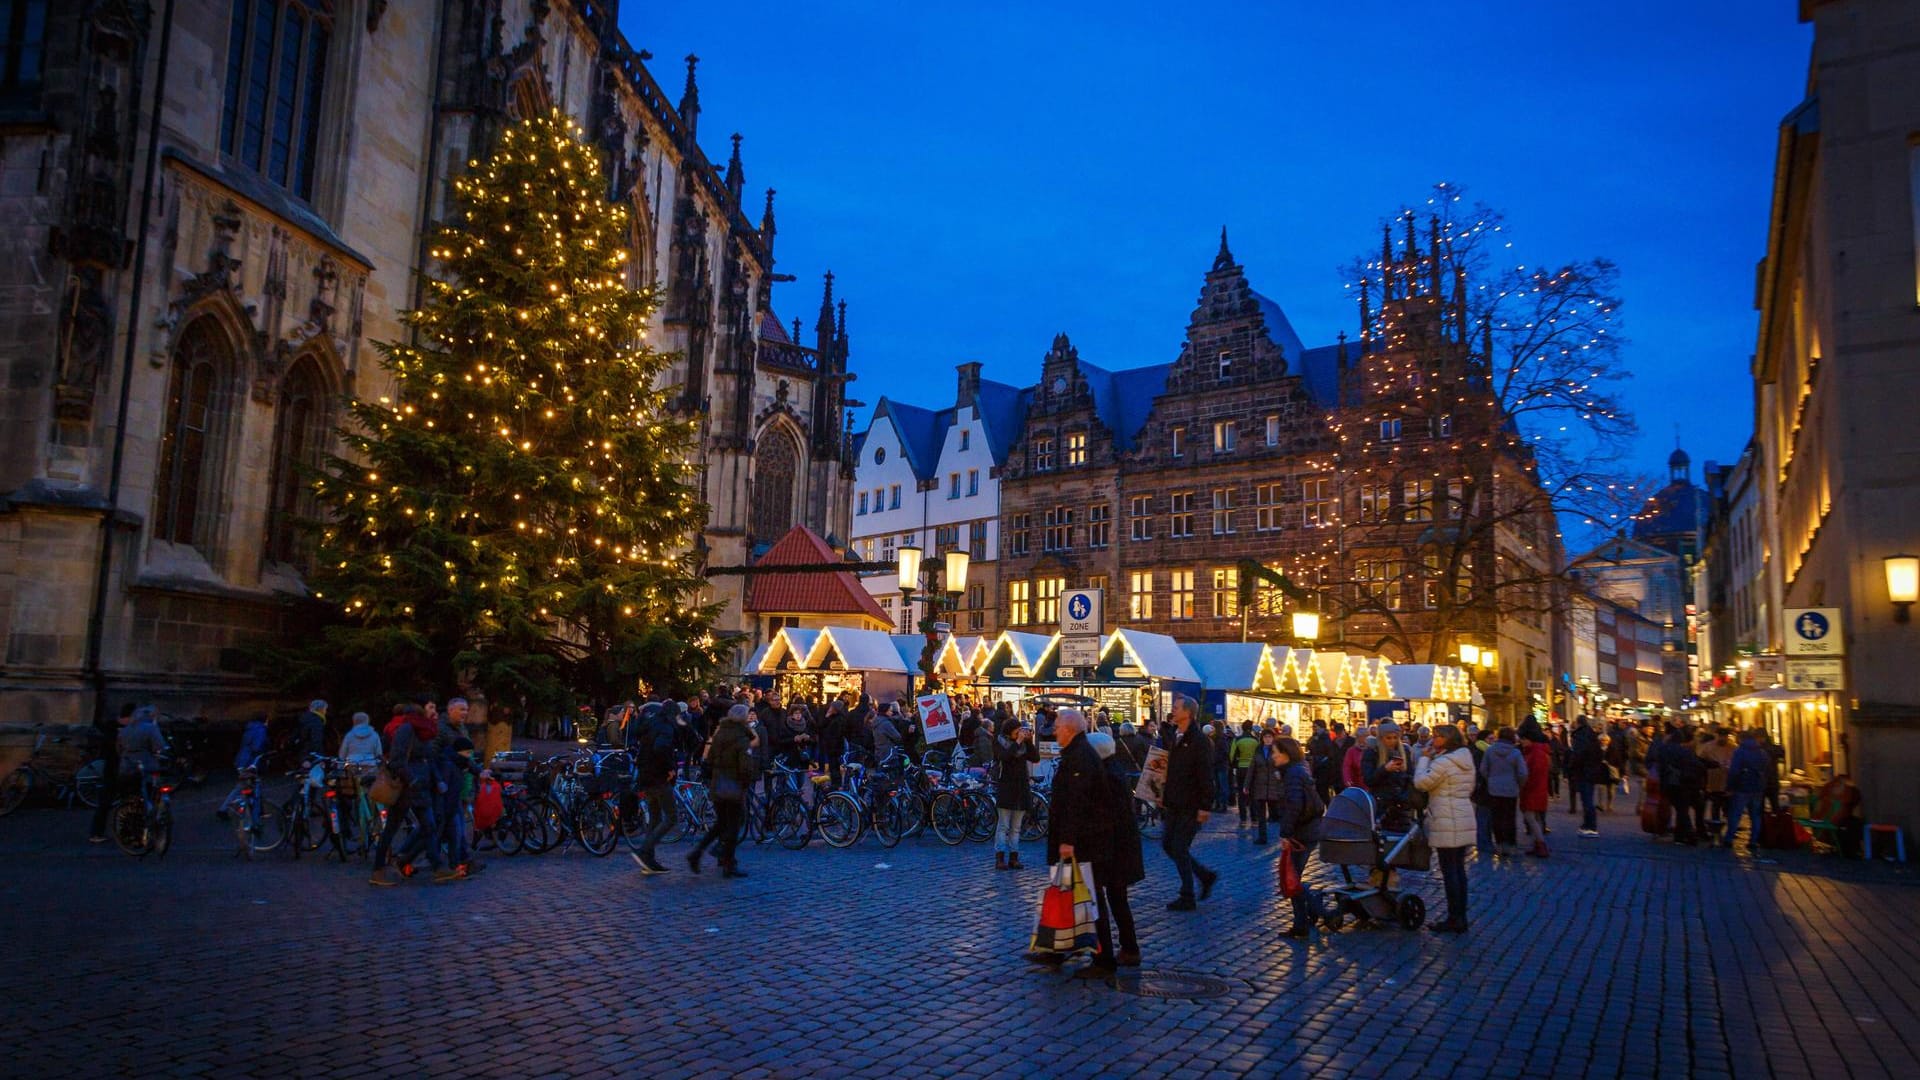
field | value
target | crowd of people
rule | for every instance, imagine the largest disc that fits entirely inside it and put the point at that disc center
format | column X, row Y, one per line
column 1476, row 790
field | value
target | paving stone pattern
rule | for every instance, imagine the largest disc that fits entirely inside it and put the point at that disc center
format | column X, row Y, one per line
column 1618, row 957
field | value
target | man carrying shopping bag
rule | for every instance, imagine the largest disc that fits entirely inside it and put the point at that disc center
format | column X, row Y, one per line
column 1080, row 832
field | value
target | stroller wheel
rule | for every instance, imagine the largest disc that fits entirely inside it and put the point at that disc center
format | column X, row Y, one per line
column 1334, row 919
column 1411, row 911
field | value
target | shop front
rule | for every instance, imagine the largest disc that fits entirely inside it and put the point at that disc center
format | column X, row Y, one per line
column 1429, row 694
column 1800, row 722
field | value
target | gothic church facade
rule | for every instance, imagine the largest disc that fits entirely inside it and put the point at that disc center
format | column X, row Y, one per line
column 216, row 208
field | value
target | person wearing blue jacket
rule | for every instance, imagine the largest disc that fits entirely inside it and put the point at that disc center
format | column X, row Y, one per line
column 1748, row 773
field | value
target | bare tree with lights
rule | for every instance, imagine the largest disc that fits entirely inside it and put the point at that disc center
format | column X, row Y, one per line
column 1479, row 412
column 515, row 517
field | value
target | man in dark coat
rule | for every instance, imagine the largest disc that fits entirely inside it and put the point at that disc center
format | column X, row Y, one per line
column 1080, row 825
column 1186, row 799
column 1683, row 778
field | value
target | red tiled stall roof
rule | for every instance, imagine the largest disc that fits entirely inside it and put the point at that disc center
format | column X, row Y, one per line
column 826, row 593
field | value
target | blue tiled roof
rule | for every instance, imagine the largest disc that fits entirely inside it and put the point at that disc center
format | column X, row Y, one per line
column 1003, row 412
column 1280, row 328
column 921, row 433
column 1321, row 369
column 1123, row 398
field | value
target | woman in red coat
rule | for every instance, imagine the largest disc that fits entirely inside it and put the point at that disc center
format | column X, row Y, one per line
column 1534, row 794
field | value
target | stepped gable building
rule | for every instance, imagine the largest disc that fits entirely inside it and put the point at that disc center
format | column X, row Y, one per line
column 1152, row 482
column 1377, row 479
column 215, row 209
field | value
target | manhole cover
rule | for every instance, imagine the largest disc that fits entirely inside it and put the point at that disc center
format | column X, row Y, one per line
column 1176, row 984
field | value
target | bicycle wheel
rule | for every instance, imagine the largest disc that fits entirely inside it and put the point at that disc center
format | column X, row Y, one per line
column 13, row 790
column 753, row 818
column 889, row 820
column 790, row 826
column 1034, row 827
column 507, row 834
column 89, row 782
column 258, row 831
column 160, row 833
column 982, row 816
column 543, row 824
column 597, row 828
column 913, row 814
column 128, row 824
column 949, row 818
column 840, row 820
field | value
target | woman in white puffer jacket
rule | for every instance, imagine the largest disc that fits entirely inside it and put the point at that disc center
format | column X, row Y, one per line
column 1445, row 772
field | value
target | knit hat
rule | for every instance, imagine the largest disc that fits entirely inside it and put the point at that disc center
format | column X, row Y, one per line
column 1101, row 742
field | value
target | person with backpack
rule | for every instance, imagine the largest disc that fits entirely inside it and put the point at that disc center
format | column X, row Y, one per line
column 1240, row 754
column 1262, row 789
column 1748, row 774
column 652, row 747
column 409, row 760
column 731, row 766
column 1504, row 768
column 1297, row 814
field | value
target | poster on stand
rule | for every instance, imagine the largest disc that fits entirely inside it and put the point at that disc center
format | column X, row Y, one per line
column 1153, row 776
column 936, row 719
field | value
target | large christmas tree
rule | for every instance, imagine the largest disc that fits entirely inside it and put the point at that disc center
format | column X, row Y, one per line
column 515, row 516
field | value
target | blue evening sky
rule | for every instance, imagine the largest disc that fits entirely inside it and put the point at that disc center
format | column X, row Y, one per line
column 981, row 176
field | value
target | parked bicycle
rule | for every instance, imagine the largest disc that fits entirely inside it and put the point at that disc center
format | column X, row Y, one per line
column 41, row 775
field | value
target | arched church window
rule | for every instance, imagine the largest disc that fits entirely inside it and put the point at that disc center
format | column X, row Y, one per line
column 299, row 444
column 776, row 468
column 198, row 398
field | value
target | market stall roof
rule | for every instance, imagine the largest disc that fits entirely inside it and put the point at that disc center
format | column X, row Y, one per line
column 1296, row 671
column 1233, row 665
column 759, row 654
column 976, row 650
column 946, row 658
column 1430, row 682
column 1015, row 649
column 1156, row 655
column 791, row 643
column 1335, row 674
column 1777, row 694
column 856, row 650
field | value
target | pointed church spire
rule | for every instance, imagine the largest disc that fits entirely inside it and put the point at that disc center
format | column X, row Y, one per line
column 1386, row 262
column 1433, row 252
column 690, row 99
column 823, row 326
column 1412, row 276
column 1460, row 303
column 1224, row 260
column 766, row 219
column 840, row 337
column 736, row 173
column 1366, row 318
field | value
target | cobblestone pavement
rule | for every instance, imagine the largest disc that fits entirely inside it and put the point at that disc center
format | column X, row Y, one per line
column 1617, row 957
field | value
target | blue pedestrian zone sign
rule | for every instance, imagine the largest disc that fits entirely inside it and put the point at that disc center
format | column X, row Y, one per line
column 1080, row 612
column 1814, row 632
column 1080, row 606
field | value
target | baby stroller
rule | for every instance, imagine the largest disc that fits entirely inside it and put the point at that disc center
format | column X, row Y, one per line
column 1369, row 850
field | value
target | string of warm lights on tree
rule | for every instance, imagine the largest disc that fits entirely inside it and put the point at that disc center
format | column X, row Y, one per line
column 522, row 494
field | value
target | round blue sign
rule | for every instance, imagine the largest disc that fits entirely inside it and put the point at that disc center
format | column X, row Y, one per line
column 1079, row 607
column 1811, row 626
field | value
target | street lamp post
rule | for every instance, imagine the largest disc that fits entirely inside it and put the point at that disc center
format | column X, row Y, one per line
column 919, row 575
